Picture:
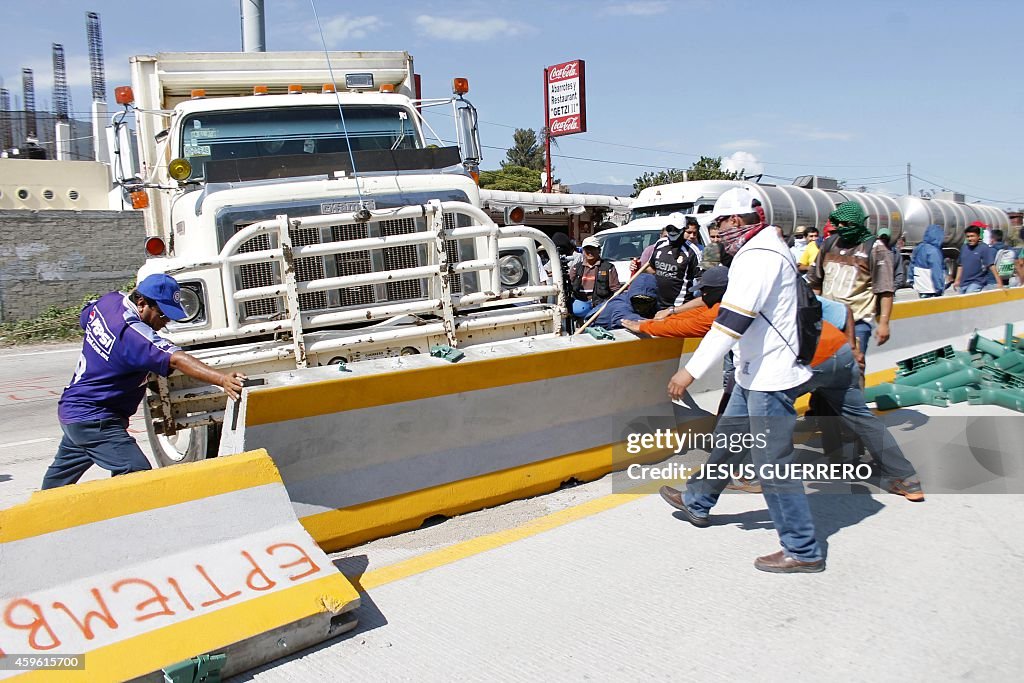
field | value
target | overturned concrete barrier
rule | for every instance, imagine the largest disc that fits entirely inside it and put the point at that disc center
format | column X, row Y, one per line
column 137, row 573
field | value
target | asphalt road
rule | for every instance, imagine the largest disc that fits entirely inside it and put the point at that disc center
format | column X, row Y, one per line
column 31, row 381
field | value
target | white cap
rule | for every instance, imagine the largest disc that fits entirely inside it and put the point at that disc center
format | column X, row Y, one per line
column 676, row 219
column 591, row 242
column 734, row 202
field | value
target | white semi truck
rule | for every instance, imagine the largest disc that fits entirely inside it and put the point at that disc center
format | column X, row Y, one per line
column 311, row 221
column 811, row 199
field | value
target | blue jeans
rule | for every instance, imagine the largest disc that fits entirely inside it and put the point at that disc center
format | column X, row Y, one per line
column 106, row 443
column 862, row 332
column 837, row 381
column 771, row 414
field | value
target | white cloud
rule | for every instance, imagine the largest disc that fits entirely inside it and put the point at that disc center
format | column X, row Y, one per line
column 462, row 30
column 339, row 29
column 749, row 143
column 742, row 161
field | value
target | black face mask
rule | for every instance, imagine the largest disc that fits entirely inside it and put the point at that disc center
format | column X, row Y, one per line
column 712, row 296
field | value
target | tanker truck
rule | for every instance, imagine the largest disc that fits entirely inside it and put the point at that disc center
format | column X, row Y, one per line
column 811, row 199
column 299, row 202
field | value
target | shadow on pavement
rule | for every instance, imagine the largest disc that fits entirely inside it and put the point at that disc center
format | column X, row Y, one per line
column 834, row 507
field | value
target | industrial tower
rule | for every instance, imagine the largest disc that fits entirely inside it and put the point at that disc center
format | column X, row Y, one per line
column 28, row 85
column 95, row 39
column 61, row 96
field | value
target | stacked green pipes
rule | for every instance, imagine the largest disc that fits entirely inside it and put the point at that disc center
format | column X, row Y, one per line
column 988, row 373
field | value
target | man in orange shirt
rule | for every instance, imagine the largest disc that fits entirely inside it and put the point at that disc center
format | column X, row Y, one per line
column 836, row 378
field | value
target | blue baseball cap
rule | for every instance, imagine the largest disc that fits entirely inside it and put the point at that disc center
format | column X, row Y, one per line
column 164, row 290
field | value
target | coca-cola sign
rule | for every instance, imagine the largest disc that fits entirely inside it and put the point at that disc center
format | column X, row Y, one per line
column 566, row 106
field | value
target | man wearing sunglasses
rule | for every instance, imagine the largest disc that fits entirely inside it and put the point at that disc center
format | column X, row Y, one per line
column 120, row 349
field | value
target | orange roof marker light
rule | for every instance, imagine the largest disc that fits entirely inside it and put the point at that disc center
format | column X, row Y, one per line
column 328, row 89
column 155, row 246
column 294, row 89
column 260, row 90
column 387, row 87
column 460, row 86
column 140, row 200
column 198, row 93
column 123, row 94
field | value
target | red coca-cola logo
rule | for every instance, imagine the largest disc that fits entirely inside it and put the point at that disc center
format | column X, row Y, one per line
column 570, row 70
column 570, row 123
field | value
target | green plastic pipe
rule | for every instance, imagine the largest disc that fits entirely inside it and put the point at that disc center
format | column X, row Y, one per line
column 1006, row 398
column 901, row 396
column 985, row 345
column 959, row 394
column 960, row 378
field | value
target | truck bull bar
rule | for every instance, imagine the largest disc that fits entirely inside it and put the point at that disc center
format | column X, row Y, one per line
column 441, row 300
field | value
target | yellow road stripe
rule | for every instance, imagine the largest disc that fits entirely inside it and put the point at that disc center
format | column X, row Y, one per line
column 459, row 551
column 95, row 501
column 213, row 631
column 278, row 404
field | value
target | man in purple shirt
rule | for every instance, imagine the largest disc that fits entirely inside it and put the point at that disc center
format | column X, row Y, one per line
column 120, row 349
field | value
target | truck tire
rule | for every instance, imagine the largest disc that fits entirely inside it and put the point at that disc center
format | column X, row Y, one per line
column 188, row 445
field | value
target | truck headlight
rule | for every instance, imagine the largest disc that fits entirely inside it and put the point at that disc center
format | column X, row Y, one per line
column 512, row 269
column 192, row 302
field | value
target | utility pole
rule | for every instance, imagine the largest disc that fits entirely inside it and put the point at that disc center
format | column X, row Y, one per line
column 909, row 191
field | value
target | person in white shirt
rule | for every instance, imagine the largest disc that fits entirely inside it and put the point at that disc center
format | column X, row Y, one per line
column 758, row 321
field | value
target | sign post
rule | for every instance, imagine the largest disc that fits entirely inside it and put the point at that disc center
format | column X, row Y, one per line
column 565, row 109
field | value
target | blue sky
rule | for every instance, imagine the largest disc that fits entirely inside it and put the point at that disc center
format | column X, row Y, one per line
column 854, row 90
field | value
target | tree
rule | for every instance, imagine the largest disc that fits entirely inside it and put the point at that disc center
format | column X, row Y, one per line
column 705, row 168
column 710, row 168
column 660, row 178
column 509, row 177
column 526, row 150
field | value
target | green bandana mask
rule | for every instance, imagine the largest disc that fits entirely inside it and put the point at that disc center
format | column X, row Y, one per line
column 852, row 213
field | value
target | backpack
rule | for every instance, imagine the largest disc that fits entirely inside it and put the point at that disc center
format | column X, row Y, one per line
column 1004, row 261
column 808, row 318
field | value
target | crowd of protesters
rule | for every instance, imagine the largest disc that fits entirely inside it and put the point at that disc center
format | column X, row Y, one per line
column 738, row 293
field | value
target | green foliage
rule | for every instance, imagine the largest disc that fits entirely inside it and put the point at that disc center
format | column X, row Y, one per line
column 509, row 177
column 56, row 323
column 526, row 151
column 660, row 178
column 705, row 168
column 710, row 168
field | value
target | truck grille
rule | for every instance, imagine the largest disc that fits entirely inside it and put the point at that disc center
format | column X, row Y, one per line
column 351, row 263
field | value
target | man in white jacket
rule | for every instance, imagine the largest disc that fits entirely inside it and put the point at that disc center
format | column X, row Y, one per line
column 758, row 320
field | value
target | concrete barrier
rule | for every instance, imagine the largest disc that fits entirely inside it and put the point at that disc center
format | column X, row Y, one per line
column 384, row 445
column 140, row 572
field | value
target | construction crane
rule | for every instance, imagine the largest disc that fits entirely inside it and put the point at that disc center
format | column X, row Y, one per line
column 6, row 125
column 28, row 86
column 95, row 39
column 61, row 96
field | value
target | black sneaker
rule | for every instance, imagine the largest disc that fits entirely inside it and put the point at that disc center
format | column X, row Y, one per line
column 675, row 499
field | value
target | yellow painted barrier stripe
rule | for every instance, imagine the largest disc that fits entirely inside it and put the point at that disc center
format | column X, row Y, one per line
column 278, row 404
column 186, row 639
column 945, row 304
column 337, row 529
column 95, row 501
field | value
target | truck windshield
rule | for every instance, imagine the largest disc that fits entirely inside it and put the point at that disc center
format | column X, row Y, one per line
column 660, row 210
column 261, row 133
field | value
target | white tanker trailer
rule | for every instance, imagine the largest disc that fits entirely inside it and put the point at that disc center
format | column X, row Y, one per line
column 791, row 205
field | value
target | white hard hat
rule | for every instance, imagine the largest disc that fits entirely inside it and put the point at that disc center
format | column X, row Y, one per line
column 734, row 202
